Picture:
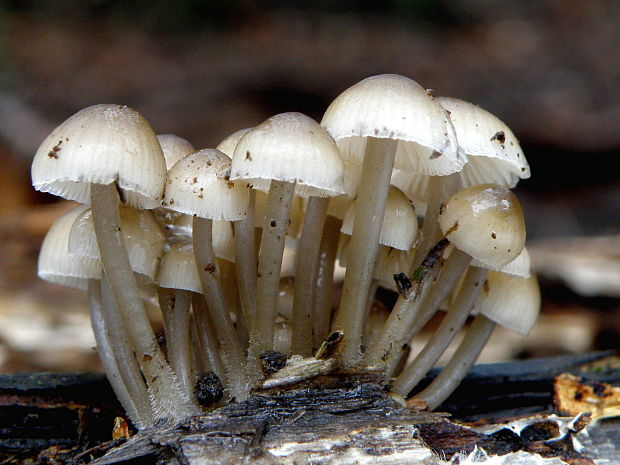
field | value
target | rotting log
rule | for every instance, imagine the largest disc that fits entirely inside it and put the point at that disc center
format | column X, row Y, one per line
column 334, row 418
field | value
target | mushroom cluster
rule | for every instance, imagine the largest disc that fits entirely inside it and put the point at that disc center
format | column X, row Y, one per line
column 237, row 246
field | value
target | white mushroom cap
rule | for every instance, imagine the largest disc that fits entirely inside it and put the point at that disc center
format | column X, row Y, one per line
column 178, row 268
column 102, row 144
column 290, row 147
column 199, row 184
column 390, row 261
column 400, row 223
column 520, row 266
column 54, row 263
column 493, row 152
column 510, row 301
column 485, row 221
column 395, row 107
column 223, row 238
column 174, row 148
column 142, row 234
column 228, row 145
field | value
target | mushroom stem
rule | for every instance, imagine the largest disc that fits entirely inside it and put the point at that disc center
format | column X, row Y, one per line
column 169, row 402
column 441, row 338
column 456, row 369
column 245, row 261
column 270, row 261
column 205, row 337
column 439, row 188
column 324, row 283
column 232, row 353
column 229, row 281
column 386, row 349
column 129, row 388
column 177, row 340
column 452, row 270
column 306, row 269
column 370, row 299
column 369, row 208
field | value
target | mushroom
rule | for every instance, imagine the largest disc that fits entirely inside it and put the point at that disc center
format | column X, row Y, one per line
column 199, row 185
column 507, row 300
column 99, row 154
column 178, row 272
column 484, row 222
column 383, row 122
column 56, row 265
column 398, row 234
column 286, row 154
column 245, row 243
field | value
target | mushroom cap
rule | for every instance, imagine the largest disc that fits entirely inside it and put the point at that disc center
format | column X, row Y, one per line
column 510, row 301
column 102, row 144
column 223, row 237
column 395, row 107
column 228, row 145
column 142, row 234
column 199, row 184
column 400, row 223
column 56, row 265
column 290, row 147
column 520, row 266
column 178, row 267
column 390, row 261
column 485, row 221
column 493, row 152
column 174, row 148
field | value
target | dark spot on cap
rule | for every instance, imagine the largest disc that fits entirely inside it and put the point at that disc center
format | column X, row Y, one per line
column 147, row 357
column 210, row 268
column 208, row 389
column 248, row 156
column 499, row 136
column 493, row 235
column 435, row 154
column 273, row 223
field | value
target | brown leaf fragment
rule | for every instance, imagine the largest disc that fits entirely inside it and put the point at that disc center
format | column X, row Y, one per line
column 574, row 394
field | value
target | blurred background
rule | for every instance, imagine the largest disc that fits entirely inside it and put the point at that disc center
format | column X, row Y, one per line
column 203, row 69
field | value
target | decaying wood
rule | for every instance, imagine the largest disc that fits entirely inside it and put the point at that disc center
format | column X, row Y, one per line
column 329, row 418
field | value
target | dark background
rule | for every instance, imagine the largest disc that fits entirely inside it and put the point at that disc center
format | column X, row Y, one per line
column 203, row 69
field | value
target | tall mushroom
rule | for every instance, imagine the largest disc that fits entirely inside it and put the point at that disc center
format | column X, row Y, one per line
column 199, row 185
column 383, row 122
column 484, row 222
column 288, row 153
column 100, row 155
column 508, row 300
